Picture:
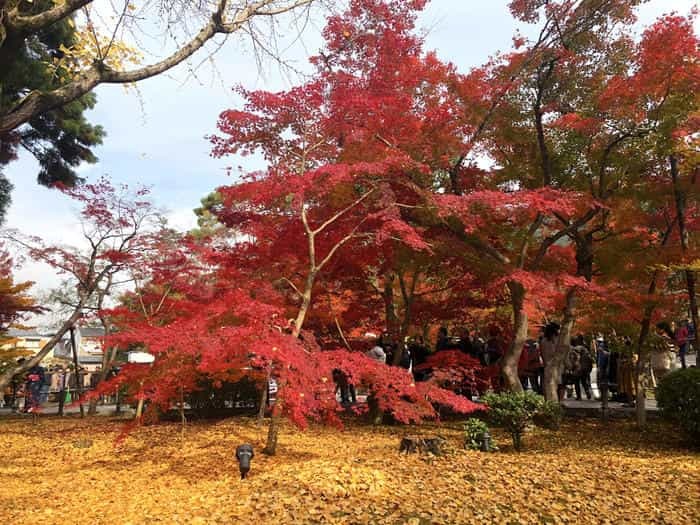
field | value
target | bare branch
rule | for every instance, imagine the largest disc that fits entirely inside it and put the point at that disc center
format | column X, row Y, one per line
column 342, row 212
column 23, row 25
column 38, row 102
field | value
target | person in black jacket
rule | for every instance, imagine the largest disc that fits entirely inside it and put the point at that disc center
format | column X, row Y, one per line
column 34, row 381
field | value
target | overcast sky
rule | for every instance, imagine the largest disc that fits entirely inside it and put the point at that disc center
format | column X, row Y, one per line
column 156, row 136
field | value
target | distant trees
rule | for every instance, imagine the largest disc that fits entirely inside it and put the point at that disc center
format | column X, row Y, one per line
column 15, row 305
column 116, row 224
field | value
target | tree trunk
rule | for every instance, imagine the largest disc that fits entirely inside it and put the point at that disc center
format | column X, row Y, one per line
column 554, row 367
column 62, row 393
column 139, row 405
column 139, row 408
column 645, row 325
column 407, row 295
column 305, row 303
column 263, row 398
column 681, row 199
column 273, row 430
column 693, row 299
column 78, row 379
column 640, row 398
column 183, row 419
column 107, row 360
column 392, row 320
column 520, row 324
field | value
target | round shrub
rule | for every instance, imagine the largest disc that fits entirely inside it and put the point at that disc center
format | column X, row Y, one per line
column 678, row 398
column 514, row 411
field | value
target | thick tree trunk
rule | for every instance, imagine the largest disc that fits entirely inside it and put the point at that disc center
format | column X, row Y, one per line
column 520, row 325
column 407, row 295
column 273, row 430
column 554, row 366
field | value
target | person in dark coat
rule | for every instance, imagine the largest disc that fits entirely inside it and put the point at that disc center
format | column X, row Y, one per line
column 465, row 343
column 36, row 378
column 442, row 340
column 419, row 354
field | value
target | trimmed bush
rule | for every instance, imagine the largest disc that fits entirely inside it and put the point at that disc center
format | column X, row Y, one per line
column 678, row 398
column 514, row 411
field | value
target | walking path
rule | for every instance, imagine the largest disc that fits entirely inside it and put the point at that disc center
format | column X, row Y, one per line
column 51, row 409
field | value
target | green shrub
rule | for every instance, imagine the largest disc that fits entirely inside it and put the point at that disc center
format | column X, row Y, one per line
column 474, row 430
column 514, row 411
column 678, row 398
column 549, row 415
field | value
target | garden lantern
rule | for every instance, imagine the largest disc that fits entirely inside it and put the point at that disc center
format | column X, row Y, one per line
column 485, row 441
column 244, row 453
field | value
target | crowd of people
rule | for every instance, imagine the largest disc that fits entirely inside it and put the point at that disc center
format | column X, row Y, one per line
column 26, row 392
column 613, row 357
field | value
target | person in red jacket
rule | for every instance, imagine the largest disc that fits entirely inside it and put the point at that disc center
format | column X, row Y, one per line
column 530, row 366
column 682, row 339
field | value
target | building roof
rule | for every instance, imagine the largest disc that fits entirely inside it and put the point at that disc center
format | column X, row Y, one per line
column 12, row 332
column 90, row 359
column 91, row 331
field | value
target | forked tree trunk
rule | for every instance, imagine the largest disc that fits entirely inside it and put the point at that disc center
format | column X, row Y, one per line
column 520, row 323
column 554, row 367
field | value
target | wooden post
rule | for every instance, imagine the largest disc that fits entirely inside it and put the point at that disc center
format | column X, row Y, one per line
column 604, row 400
column 77, row 373
column 139, row 406
column 263, row 398
column 117, row 400
column 62, row 393
column 183, row 420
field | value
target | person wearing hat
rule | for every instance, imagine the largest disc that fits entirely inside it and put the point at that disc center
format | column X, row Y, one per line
column 377, row 352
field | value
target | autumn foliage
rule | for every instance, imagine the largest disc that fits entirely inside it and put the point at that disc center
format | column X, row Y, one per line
column 556, row 181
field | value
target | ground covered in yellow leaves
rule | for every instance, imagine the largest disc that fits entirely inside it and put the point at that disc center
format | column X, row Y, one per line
column 71, row 471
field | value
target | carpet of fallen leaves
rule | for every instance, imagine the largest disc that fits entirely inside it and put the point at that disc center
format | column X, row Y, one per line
column 71, row 470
